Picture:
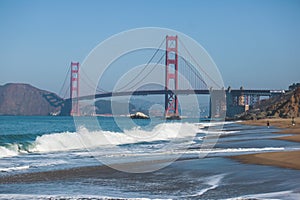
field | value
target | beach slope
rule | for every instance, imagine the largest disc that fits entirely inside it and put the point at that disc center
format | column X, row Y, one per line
column 286, row 159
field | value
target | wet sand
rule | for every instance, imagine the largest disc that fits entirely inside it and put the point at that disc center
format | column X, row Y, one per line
column 289, row 159
column 94, row 172
column 74, row 173
column 101, row 171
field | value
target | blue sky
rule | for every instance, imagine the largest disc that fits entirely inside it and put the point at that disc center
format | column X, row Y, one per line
column 254, row 43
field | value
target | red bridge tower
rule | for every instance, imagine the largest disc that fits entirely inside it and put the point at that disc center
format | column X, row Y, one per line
column 171, row 101
column 74, row 89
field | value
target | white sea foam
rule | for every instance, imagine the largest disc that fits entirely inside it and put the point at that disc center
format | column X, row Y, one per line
column 9, row 151
column 46, row 197
column 9, row 169
column 237, row 150
column 271, row 196
column 217, row 132
column 84, row 138
column 249, row 149
column 91, row 139
column 211, row 124
column 188, row 152
column 213, row 182
column 46, row 163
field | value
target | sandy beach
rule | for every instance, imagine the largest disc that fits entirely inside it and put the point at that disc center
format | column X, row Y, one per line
column 290, row 159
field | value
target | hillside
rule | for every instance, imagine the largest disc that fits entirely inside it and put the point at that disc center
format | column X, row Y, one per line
column 24, row 99
column 283, row 106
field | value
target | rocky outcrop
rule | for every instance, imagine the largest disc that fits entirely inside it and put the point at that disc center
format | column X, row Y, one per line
column 139, row 115
column 24, row 99
column 283, row 106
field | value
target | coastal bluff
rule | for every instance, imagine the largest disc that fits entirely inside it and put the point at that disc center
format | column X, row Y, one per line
column 281, row 106
column 24, row 99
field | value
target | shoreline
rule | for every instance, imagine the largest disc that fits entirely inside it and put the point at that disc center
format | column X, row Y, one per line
column 286, row 159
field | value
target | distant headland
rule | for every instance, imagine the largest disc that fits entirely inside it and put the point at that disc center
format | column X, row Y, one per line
column 20, row 99
column 24, row 99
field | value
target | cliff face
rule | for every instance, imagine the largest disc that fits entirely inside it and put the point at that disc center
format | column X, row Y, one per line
column 24, row 99
column 284, row 106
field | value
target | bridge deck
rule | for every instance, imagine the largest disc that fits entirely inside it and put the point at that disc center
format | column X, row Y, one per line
column 179, row 92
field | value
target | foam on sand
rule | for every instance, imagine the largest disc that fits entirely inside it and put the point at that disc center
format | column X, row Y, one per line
column 212, row 182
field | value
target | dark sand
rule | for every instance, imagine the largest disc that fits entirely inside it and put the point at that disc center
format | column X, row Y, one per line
column 290, row 159
column 83, row 172
column 95, row 172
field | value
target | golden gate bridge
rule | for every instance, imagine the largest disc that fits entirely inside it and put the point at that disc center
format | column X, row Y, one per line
column 176, row 68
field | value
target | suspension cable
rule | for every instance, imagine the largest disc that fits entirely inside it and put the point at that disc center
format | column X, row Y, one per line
column 66, row 91
column 157, row 50
column 148, row 72
column 194, row 71
column 198, row 64
column 66, row 76
column 90, row 83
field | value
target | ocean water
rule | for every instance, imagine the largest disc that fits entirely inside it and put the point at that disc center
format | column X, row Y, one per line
column 47, row 158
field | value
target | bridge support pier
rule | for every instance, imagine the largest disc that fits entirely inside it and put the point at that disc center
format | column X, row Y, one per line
column 217, row 104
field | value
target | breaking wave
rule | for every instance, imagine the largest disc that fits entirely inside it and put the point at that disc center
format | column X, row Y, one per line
column 91, row 139
column 9, row 151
